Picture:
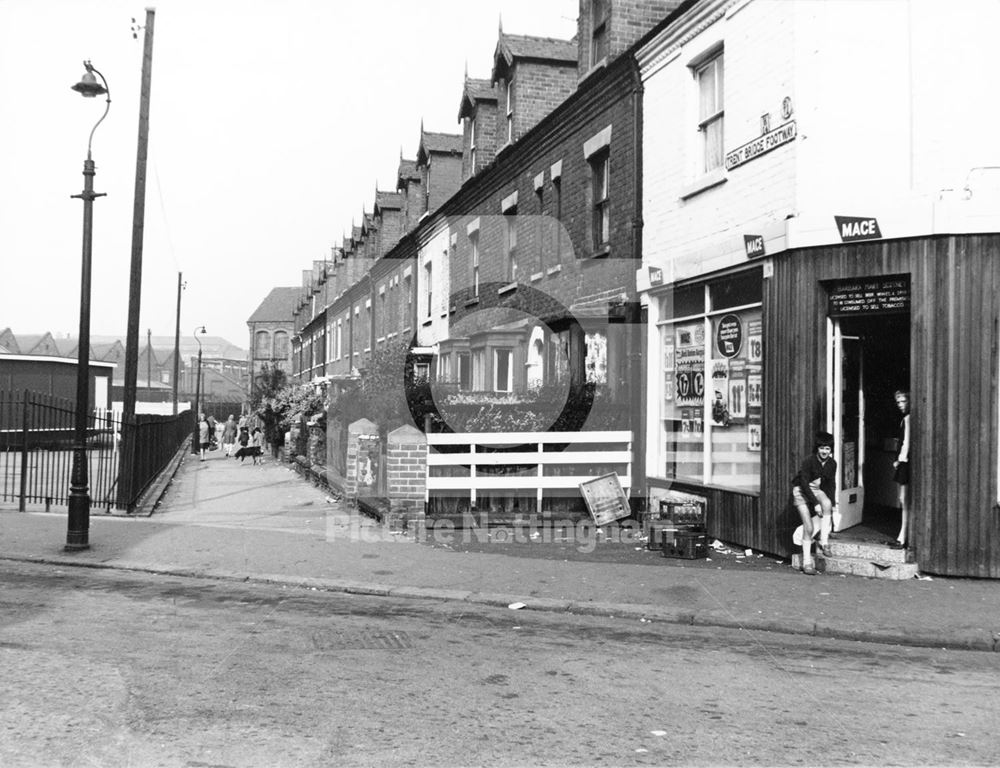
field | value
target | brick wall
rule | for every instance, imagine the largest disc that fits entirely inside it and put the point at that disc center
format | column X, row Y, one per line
column 629, row 20
column 406, row 473
column 444, row 177
column 579, row 277
column 539, row 87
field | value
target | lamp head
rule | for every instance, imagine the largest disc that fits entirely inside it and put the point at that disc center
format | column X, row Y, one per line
column 88, row 85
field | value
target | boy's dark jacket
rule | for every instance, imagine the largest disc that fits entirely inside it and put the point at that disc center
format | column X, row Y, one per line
column 813, row 468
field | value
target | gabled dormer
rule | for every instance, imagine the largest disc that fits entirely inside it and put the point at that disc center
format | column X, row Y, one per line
column 478, row 116
column 439, row 162
column 532, row 76
column 409, row 185
column 607, row 28
column 388, row 211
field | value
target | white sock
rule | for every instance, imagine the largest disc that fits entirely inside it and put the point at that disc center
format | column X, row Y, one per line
column 825, row 524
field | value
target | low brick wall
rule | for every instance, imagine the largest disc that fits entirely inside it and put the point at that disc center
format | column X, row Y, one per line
column 406, row 476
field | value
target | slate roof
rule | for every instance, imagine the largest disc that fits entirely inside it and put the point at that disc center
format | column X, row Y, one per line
column 511, row 47
column 388, row 201
column 407, row 170
column 278, row 306
column 475, row 89
column 442, row 143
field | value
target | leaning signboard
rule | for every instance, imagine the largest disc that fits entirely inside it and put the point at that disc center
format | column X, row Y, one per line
column 605, row 498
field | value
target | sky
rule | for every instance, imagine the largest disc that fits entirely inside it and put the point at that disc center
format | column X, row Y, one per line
column 271, row 122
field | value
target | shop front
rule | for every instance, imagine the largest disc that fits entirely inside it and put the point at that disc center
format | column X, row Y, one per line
column 753, row 362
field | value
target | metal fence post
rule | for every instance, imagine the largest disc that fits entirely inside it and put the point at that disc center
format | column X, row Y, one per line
column 25, row 416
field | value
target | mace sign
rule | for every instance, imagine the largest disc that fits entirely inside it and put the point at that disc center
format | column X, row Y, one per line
column 852, row 228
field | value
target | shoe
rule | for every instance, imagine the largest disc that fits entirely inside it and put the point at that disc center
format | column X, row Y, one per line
column 896, row 545
column 825, row 549
column 809, row 569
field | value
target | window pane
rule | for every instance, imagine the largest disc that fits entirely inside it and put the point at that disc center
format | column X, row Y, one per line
column 735, row 394
column 682, row 414
column 738, row 290
column 684, row 302
column 502, row 373
column 707, row 89
column 713, row 144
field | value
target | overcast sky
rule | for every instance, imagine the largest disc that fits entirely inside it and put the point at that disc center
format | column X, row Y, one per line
column 271, row 122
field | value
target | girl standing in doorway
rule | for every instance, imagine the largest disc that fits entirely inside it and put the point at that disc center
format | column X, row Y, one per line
column 902, row 465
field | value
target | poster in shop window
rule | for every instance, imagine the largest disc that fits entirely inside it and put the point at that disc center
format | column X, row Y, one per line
column 738, row 390
column 755, row 393
column 755, row 345
column 753, row 433
column 690, row 375
column 718, row 394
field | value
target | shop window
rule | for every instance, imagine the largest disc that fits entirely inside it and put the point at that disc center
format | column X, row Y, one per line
column 711, row 387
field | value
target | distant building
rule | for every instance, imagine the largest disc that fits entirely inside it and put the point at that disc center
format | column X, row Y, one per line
column 271, row 328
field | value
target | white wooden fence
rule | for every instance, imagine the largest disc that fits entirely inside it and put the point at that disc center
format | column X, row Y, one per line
column 590, row 454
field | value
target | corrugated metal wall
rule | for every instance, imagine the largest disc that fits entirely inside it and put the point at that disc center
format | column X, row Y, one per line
column 955, row 282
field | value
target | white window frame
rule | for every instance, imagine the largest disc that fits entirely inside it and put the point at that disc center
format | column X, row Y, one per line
column 429, row 288
column 510, row 111
column 710, row 68
column 510, row 369
column 600, row 168
column 472, row 144
column 474, row 246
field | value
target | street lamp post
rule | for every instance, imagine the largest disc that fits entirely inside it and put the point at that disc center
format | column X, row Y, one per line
column 197, row 391
column 78, row 528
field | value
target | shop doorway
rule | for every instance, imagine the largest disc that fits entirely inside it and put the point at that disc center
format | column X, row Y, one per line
column 868, row 360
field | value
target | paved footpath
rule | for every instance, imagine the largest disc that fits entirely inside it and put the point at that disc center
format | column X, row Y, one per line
column 220, row 519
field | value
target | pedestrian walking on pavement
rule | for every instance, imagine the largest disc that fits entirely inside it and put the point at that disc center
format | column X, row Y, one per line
column 229, row 435
column 204, row 435
column 813, row 490
column 257, row 445
column 902, row 464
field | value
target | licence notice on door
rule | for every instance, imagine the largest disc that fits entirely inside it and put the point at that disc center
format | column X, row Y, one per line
column 606, row 501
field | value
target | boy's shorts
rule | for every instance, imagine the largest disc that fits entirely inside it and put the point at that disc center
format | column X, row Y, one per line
column 800, row 498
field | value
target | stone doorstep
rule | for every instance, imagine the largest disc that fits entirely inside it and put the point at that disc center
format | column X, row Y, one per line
column 866, row 550
column 857, row 566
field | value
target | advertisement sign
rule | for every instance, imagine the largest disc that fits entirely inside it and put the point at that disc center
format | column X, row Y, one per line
column 853, row 228
column 605, row 499
column 870, row 296
column 729, row 336
column 718, row 396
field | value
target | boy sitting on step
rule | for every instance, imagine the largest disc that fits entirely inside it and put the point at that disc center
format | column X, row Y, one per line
column 813, row 489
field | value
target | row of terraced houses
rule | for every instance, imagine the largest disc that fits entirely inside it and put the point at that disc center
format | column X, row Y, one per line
column 742, row 221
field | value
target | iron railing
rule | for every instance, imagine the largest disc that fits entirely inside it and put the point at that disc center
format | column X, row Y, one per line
column 147, row 446
column 36, row 451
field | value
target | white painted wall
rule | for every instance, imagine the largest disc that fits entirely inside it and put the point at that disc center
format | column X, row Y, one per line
column 893, row 101
column 435, row 249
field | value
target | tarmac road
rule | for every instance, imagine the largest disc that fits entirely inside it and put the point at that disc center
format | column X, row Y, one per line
column 105, row 667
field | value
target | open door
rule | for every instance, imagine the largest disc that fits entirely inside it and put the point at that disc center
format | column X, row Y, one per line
column 846, row 421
